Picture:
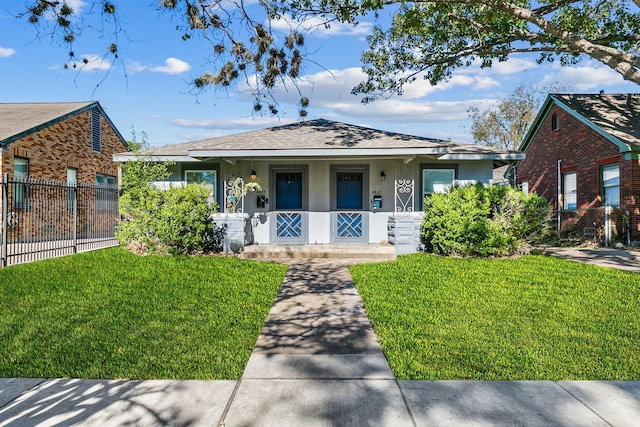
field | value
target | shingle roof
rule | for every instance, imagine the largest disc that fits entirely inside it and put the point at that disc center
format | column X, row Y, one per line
column 616, row 114
column 16, row 119
column 320, row 134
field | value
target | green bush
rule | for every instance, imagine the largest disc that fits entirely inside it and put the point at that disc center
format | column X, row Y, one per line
column 175, row 221
column 183, row 222
column 487, row 221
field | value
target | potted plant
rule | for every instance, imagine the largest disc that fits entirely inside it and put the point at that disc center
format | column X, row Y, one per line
column 236, row 189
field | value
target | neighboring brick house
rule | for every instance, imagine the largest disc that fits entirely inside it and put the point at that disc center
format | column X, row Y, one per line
column 582, row 153
column 49, row 143
column 59, row 141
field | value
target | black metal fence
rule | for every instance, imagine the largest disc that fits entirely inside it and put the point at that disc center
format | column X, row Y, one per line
column 44, row 219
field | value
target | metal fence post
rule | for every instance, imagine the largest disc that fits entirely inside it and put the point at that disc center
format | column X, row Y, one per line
column 5, row 206
column 607, row 226
column 74, row 233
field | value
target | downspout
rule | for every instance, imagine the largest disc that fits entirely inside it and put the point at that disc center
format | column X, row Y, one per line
column 559, row 202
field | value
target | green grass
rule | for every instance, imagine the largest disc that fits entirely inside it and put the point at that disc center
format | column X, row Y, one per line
column 112, row 314
column 533, row 318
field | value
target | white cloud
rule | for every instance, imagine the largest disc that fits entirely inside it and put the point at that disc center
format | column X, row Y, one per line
column 94, row 62
column 172, row 66
column 76, row 5
column 6, row 52
column 316, row 26
column 397, row 110
column 511, row 66
column 136, row 67
column 588, row 77
column 231, row 123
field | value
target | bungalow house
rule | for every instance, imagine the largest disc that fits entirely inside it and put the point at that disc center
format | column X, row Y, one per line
column 44, row 146
column 583, row 153
column 325, row 182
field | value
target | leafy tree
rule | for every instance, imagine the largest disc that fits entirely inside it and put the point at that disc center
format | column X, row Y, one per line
column 504, row 124
column 425, row 39
column 138, row 175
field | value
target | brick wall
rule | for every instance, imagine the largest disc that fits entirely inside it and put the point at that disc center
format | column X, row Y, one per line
column 65, row 144
column 50, row 152
column 584, row 151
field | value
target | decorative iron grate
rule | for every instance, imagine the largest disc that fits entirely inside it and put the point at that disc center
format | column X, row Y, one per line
column 289, row 225
column 349, row 225
column 404, row 190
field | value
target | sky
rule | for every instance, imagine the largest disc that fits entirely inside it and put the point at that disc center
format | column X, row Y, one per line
column 147, row 89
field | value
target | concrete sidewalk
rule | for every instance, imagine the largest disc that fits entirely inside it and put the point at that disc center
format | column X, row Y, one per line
column 317, row 362
column 621, row 259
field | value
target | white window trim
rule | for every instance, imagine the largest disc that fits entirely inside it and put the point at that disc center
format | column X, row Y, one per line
column 574, row 193
column 605, row 187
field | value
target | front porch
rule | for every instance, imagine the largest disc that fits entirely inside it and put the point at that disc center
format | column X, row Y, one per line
column 321, row 234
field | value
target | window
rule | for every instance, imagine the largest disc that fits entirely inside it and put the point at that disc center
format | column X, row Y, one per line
column 554, row 122
column 21, row 189
column 72, row 178
column 106, row 193
column 436, row 180
column 105, row 180
column 206, row 177
column 610, row 176
column 569, row 191
column 96, row 144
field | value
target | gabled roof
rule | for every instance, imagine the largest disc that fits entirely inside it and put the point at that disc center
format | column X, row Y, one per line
column 323, row 138
column 18, row 120
column 614, row 116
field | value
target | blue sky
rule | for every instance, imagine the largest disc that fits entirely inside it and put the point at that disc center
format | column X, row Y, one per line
column 148, row 87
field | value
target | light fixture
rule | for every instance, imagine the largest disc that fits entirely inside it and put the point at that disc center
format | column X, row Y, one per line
column 383, row 176
column 253, row 175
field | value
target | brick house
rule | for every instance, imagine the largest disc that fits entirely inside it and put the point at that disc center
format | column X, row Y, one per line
column 46, row 143
column 72, row 141
column 583, row 153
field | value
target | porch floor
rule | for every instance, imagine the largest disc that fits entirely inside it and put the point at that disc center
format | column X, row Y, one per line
column 360, row 253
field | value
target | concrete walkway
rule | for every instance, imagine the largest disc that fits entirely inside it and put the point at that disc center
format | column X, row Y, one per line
column 317, row 362
column 621, row 259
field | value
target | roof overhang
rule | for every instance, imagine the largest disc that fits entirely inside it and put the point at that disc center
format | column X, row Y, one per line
column 132, row 157
column 440, row 153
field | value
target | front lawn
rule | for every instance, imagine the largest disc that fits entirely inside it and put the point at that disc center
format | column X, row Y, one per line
column 533, row 318
column 112, row 314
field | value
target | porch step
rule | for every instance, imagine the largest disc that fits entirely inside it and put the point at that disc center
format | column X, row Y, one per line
column 349, row 252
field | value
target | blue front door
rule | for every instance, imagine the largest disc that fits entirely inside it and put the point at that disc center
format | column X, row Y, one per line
column 349, row 191
column 289, row 219
column 349, row 225
column 288, row 191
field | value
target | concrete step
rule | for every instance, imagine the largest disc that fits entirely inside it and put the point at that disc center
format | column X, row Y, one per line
column 292, row 252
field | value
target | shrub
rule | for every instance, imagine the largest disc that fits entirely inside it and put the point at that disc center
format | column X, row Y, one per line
column 175, row 221
column 182, row 223
column 487, row 221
